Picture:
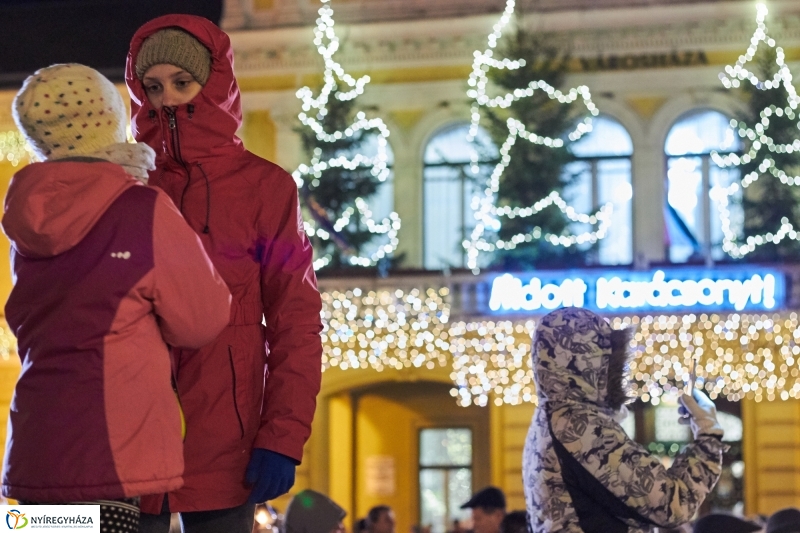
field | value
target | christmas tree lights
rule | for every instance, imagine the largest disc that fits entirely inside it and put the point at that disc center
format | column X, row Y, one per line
column 487, row 214
column 14, row 148
column 344, row 88
column 763, row 146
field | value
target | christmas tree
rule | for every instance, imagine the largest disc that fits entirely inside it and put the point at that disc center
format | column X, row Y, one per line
column 768, row 194
column 348, row 163
column 523, row 219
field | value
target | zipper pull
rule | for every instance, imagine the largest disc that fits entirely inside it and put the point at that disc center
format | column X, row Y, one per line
column 171, row 118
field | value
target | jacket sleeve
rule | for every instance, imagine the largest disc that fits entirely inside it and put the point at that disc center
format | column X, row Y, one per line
column 191, row 300
column 668, row 497
column 292, row 306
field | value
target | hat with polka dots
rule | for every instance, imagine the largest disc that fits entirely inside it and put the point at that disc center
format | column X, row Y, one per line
column 69, row 110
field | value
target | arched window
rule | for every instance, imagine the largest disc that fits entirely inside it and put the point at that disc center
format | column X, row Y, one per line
column 450, row 183
column 694, row 224
column 601, row 175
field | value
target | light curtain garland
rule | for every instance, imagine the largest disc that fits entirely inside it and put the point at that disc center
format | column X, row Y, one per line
column 761, row 144
column 14, row 148
column 739, row 355
column 335, row 77
column 488, row 216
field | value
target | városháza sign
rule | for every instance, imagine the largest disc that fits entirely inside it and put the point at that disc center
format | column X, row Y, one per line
column 661, row 290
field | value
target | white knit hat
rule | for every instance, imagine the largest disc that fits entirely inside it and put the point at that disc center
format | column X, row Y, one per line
column 69, row 110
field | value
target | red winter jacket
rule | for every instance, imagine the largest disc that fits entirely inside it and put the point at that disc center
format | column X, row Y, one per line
column 106, row 272
column 246, row 212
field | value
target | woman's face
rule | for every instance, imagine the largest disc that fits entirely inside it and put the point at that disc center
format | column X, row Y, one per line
column 168, row 85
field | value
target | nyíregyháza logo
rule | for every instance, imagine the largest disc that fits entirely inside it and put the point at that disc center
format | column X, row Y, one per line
column 16, row 519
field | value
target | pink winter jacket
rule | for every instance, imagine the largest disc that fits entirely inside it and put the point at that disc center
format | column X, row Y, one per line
column 107, row 274
column 253, row 386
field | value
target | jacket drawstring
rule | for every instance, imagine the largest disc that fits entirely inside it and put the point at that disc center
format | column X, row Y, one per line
column 176, row 142
column 208, row 198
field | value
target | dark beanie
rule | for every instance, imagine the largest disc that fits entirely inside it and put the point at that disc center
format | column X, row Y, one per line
column 174, row 46
column 312, row 512
column 784, row 521
column 716, row 522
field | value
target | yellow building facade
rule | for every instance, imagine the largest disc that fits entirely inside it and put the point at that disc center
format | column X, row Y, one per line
column 647, row 67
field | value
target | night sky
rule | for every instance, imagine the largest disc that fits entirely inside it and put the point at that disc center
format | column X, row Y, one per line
column 38, row 33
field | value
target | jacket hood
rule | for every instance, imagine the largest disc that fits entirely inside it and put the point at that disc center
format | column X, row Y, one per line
column 312, row 512
column 578, row 357
column 208, row 124
column 50, row 207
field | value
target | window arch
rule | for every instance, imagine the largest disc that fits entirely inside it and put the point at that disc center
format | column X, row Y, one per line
column 601, row 174
column 693, row 221
column 451, row 181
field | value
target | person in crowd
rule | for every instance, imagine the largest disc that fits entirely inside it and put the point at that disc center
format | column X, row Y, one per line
column 488, row 510
column 380, row 519
column 581, row 472
column 107, row 274
column 515, row 522
column 360, row 525
column 312, row 512
column 784, row 521
column 245, row 434
column 724, row 523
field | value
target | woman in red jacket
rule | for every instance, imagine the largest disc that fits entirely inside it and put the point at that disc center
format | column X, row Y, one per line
column 249, row 396
column 106, row 274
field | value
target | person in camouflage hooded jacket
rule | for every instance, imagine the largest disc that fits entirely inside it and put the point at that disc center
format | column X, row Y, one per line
column 582, row 473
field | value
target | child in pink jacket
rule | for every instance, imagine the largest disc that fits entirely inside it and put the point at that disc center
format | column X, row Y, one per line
column 107, row 275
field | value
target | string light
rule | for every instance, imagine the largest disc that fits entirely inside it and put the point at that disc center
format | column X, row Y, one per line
column 738, row 356
column 387, row 328
column 14, row 148
column 487, row 214
column 754, row 356
column 314, row 109
column 759, row 140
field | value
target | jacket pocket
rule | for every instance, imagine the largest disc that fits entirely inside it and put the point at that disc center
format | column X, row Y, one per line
column 233, row 391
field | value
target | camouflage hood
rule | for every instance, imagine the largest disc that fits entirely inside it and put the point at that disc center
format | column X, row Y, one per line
column 578, row 357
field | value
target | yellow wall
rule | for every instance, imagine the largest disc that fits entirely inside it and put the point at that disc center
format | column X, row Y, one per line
column 258, row 134
column 509, row 428
column 9, row 361
column 771, row 455
column 379, row 416
column 6, row 171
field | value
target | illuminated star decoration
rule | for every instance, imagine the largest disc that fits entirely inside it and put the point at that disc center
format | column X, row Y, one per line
column 487, row 214
column 759, row 140
column 335, row 77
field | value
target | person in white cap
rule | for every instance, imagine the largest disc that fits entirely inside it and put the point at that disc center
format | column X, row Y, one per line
column 107, row 274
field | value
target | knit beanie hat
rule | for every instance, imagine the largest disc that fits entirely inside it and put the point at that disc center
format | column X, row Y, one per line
column 312, row 512
column 175, row 47
column 69, row 110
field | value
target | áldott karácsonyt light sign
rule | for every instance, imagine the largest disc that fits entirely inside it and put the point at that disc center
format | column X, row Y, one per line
column 661, row 290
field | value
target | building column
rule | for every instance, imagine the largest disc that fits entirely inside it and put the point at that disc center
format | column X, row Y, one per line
column 341, row 443
column 771, row 450
column 649, row 197
column 408, row 204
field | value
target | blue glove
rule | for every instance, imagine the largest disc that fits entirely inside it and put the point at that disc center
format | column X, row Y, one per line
column 270, row 473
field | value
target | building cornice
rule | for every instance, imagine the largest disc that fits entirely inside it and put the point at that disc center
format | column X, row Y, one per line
column 710, row 27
